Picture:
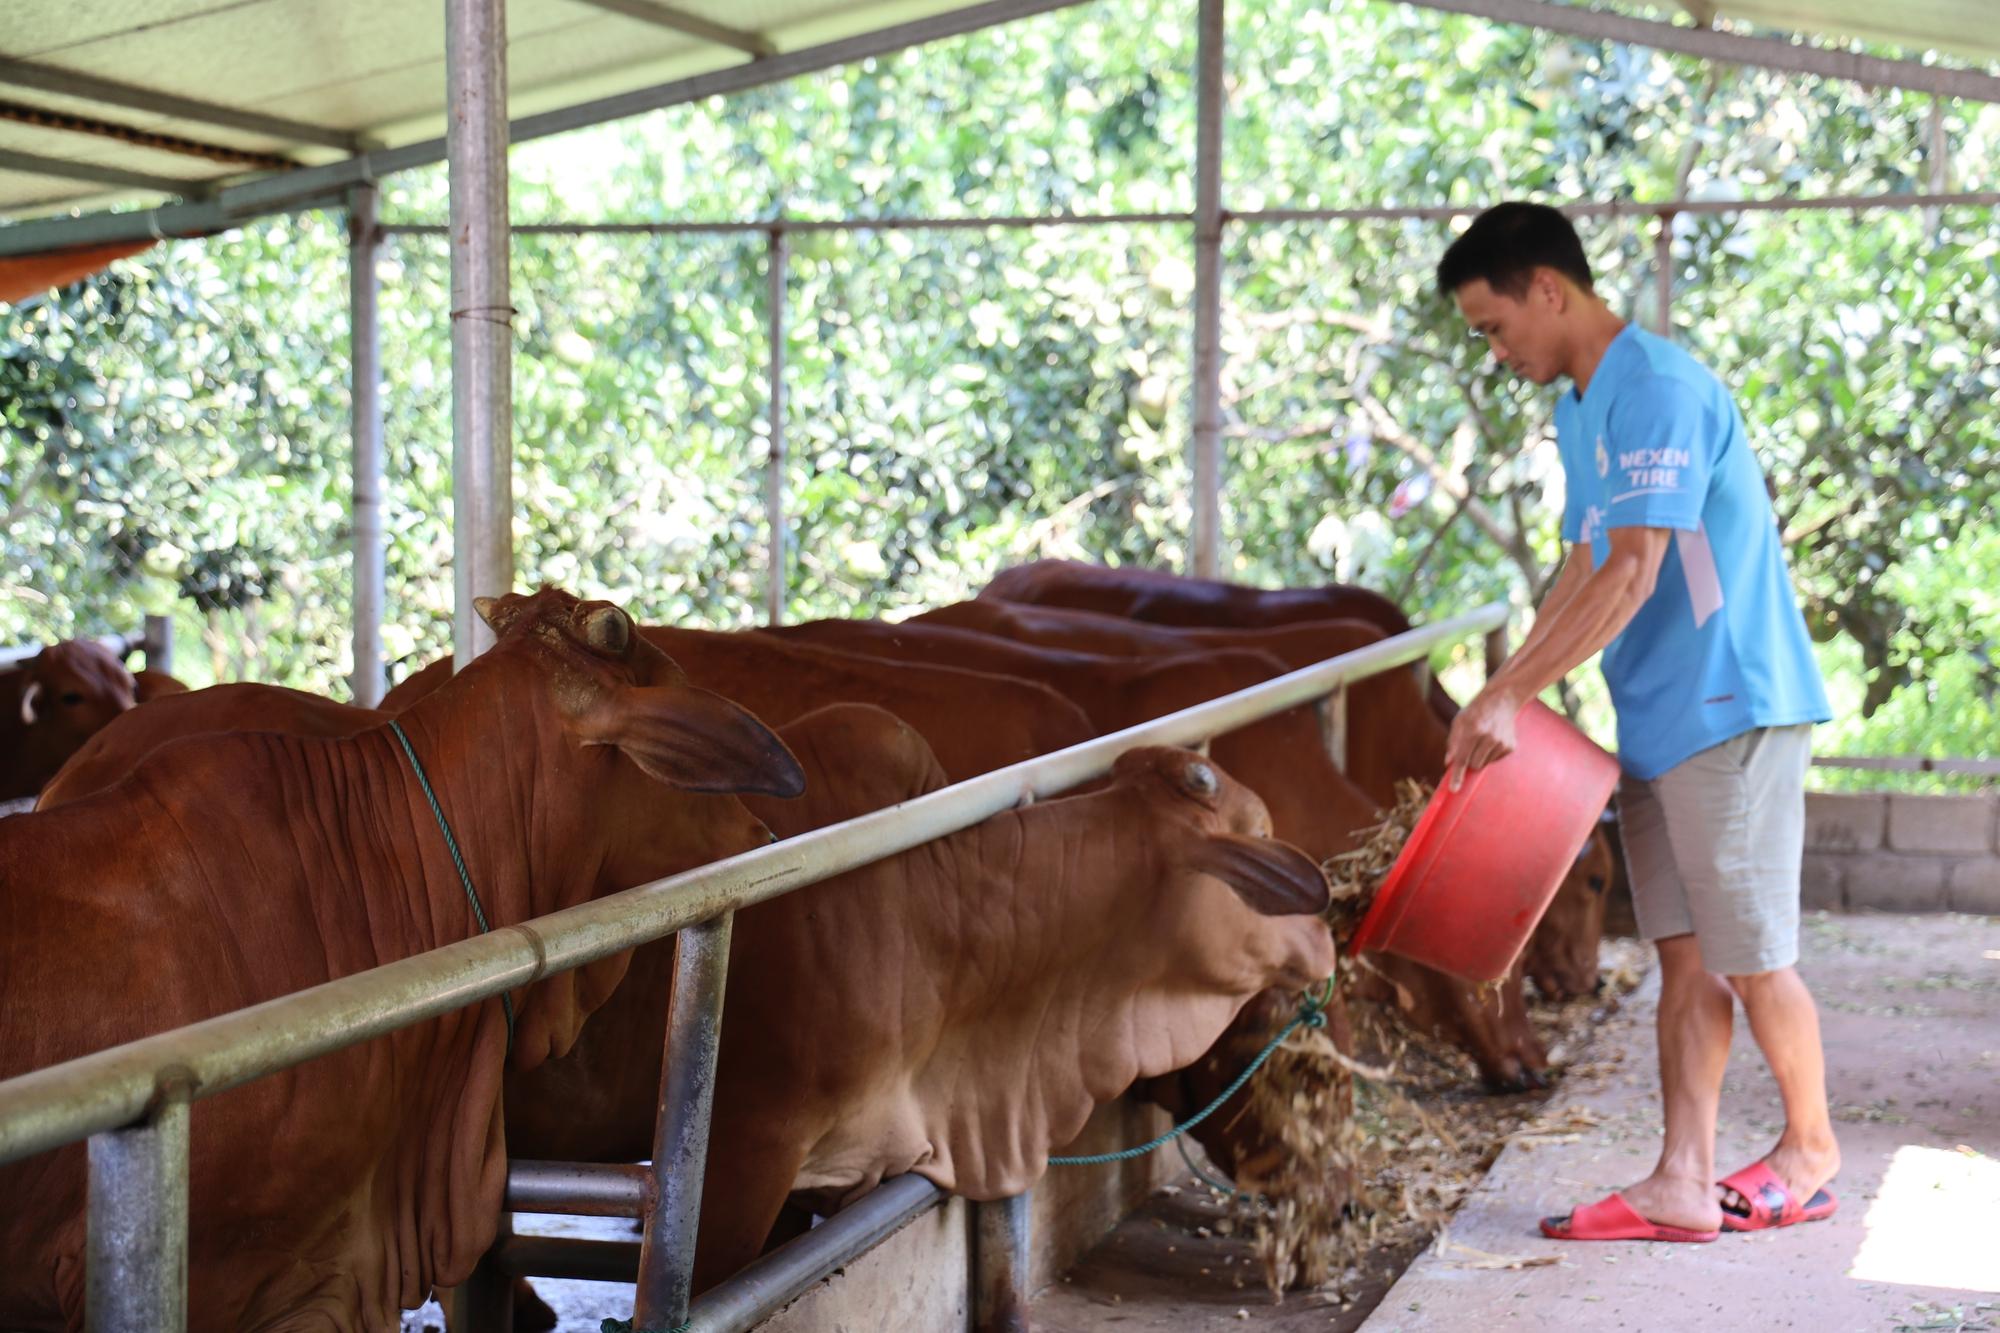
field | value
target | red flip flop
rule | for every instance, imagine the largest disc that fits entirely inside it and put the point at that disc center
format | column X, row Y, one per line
column 1613, row 1218
column 1772, row 1203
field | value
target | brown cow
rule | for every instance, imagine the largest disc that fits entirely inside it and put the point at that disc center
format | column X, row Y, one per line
column 117, row 749
column 571, row 759
column 1282, row 758
column 964, row 715
column 1393, row 733
column 1574, row 924
column 967, row 1002
column 51, row 705
column 1163, row 598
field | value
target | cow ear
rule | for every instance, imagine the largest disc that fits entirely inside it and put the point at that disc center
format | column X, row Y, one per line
column 692, row 740
column 498, row 612
column 1273, row 877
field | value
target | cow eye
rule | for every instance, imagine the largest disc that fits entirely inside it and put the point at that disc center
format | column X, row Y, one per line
column 1597, row 883
column 72, row 698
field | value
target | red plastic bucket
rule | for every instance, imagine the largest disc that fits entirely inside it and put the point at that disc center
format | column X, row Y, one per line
column 1483, row 862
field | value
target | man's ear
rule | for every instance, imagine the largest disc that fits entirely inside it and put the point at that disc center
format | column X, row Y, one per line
column 1548, row 284
column 692, row 740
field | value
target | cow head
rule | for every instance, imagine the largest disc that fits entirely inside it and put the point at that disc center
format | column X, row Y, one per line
column 1212, row 827
column 612, row 769
column 66, row 695
column 1561, row 957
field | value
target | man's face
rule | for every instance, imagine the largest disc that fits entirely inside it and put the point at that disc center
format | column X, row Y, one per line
column 1525, row 332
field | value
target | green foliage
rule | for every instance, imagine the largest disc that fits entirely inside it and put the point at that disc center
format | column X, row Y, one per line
column 956, row 400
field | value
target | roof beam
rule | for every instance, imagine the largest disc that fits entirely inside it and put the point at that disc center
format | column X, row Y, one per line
column 646, row 11
column 36, row 165
column 63, row 122
column 1732, row 48
column 70, row 83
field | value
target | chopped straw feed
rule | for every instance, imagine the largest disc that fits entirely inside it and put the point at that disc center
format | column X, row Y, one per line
column 1382, row 1129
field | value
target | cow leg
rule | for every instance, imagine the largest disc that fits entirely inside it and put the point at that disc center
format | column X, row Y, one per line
column 532, row 1314
column 794, row 1220
column 1499, row 1038
column 744, row 1191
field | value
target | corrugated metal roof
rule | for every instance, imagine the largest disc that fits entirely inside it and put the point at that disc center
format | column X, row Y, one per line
column 94, row 98
column 367, row 69
column 1961, row 27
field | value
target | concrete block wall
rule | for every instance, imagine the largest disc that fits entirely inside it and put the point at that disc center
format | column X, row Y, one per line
column 1894, row 853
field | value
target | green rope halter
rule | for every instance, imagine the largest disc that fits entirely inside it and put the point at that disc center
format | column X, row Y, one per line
column 1312, row 1014
column 464, row 878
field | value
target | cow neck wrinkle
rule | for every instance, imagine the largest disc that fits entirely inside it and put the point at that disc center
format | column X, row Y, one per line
column 1050, row 839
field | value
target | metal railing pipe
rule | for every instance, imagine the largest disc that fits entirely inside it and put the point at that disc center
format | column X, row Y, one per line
column 112, row 1088
column 1205, row 445
column 1970, row 768
column 566, row 1256
column 482, row 319
column 767, row 1285
column 368, row 588
column 680, row 1133
column 159, row 643
column 136, row 1224
column 1001, row 1253
column 578, row 1189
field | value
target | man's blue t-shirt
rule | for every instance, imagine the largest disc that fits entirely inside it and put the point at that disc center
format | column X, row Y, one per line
column 1720, row 646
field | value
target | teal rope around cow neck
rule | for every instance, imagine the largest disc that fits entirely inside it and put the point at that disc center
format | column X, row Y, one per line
column 1311, row 1014
column 627, row 1326
column 464, row 877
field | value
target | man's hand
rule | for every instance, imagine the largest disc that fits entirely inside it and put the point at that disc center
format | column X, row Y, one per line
column 1482, row 732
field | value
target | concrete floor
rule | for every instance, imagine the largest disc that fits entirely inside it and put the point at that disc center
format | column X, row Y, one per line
column 1911, row 1013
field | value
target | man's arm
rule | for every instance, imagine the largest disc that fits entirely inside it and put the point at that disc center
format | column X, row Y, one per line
column 1564, row 637
column 1577, row 566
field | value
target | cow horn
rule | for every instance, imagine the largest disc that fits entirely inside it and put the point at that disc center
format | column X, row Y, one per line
column 28, row 703
column 608, row 629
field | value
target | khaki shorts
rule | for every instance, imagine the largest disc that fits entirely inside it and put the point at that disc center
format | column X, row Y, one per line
column 1713, row 845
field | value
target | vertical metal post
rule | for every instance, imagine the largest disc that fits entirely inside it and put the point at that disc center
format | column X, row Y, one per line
column 364, row 243
column 135, row 1263
column 160, row 643
column 482, row 313
column 1000, row 1265
column 680, row 1137
column 1937, row 151
column 1663, row 274
column 484, row 1302
column 774, row 476
column 1206, row 561
column 1333, row 726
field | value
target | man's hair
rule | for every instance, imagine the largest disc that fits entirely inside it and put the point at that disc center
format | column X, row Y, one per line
column 1507, row 243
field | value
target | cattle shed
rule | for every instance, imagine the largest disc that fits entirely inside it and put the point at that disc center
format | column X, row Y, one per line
column 183, row 118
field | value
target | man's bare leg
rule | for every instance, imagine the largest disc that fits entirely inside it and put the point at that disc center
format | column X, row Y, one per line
column 1785, row 1022
column 1697, row 1011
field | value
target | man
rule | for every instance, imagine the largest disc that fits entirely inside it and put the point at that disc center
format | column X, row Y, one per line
column 1676, row 571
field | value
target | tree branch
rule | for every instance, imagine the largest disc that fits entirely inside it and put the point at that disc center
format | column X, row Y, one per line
column 27, row 494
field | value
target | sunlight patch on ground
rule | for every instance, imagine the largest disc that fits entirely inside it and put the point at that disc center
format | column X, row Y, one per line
column 1933, row 1222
